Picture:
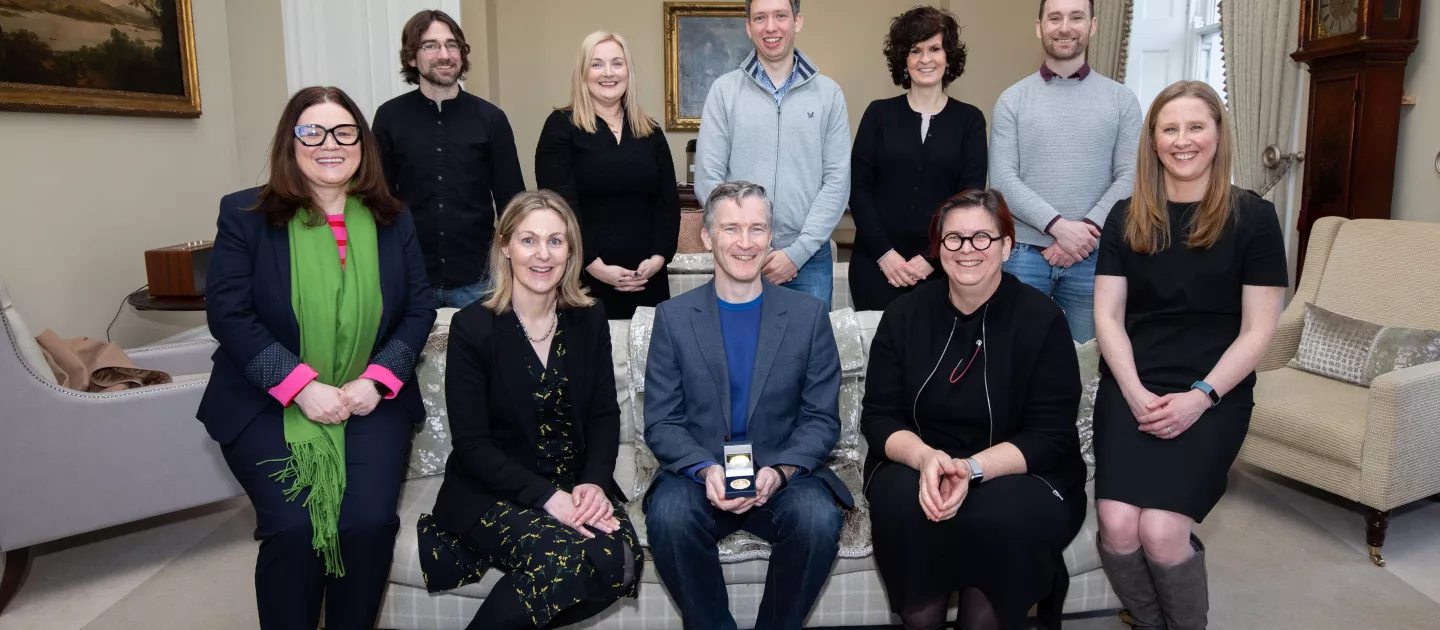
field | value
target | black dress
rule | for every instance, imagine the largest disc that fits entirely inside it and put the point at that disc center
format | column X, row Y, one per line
column 625, row 196
column 552, row 566
column 1182, row 311
column 1008, row 534
column 897, row 182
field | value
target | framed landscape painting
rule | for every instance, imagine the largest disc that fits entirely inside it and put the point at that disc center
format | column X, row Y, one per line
column 125, row 57
column 703, row 40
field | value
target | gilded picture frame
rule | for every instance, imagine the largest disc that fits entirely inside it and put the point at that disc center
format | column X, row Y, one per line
column 41, row 44
column 702, row 41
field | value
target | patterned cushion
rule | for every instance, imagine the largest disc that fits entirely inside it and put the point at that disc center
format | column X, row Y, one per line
column 845, row 460
column 432, row 442
column 1089, row 355
column 1357, row 351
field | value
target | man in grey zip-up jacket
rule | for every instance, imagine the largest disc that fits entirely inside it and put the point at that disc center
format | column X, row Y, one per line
column 776, row 121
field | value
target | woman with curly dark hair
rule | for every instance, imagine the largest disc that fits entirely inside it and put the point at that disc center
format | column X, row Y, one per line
column 911, row 153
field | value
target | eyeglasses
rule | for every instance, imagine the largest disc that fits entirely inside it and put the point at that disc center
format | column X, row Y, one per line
column 314, row 135
column 981, row 241
column 431, row 48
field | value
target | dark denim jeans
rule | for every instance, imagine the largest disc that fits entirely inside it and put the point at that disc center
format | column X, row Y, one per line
column 801, row 523
column 458, row 297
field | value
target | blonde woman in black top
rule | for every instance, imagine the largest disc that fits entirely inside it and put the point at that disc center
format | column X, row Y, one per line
column 612, row 164
column 911, row 152
column 1188, row 288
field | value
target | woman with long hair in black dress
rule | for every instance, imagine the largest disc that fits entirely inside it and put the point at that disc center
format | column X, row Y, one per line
column 1188, row 289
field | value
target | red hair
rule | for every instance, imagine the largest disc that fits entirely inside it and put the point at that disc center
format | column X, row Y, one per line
column 991, row 200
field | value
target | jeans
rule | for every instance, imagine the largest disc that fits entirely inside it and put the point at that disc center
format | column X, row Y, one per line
column 1073, row 288
column 458, row 297
column 801, row 523
column 817, row 276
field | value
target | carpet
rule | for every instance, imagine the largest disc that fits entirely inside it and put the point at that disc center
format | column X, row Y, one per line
column 1270, row 568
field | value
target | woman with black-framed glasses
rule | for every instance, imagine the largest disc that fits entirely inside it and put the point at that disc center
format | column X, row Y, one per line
column 317, row 294
column 974, row 474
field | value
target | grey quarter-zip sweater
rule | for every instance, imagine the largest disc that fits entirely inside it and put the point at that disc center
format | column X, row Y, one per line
column 798, row 149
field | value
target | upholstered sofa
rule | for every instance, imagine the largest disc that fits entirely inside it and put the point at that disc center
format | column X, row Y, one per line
column 854, row 594
column 1379, row 445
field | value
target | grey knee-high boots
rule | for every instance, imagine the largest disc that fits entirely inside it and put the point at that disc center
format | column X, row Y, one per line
column 1129, row 576
column 1183, row 590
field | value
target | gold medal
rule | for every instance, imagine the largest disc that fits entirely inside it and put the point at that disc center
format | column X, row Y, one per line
column 740, row 484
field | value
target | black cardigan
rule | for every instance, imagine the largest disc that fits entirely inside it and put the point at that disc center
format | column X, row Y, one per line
column 897, row 182
column 1031, row 370
column 492, row 416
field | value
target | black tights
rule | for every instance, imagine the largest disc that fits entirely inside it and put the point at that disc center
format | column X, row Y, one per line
column 976, row 613
column 503, row 609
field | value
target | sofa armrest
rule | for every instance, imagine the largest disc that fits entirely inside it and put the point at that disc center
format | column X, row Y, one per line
column 176, row 359
column 1287, row 337
column 74, row 462
column 1292, row 321
column 1400, row 462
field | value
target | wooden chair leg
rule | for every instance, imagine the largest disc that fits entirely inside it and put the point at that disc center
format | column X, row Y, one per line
column 1376, row 522
column 17, row 565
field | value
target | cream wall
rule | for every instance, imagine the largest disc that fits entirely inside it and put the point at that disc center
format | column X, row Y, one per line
column 257, row 72
column 1417, row 185
column 84, row 196
column 530, row 47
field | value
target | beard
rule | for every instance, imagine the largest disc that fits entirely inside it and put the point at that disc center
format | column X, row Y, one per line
column 436, row 78
column 1081, row 43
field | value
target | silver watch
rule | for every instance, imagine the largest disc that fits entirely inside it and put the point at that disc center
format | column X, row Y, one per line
column 976, row 474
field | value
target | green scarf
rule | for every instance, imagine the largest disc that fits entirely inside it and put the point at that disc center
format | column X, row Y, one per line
column 339, row 315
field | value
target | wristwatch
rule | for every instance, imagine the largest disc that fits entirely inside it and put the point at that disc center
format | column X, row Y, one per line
column 976, row 475
column 1208, row 390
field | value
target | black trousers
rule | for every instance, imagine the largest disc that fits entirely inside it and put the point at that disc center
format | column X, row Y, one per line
column 290, row 580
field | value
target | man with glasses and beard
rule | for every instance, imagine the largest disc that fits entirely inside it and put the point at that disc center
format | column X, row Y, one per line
column 449, row 155
column 1062, row 150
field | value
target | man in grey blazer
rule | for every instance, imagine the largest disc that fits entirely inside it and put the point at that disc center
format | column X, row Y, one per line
column 741, row 359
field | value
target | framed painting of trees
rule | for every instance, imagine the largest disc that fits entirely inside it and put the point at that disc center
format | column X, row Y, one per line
column 118, row 57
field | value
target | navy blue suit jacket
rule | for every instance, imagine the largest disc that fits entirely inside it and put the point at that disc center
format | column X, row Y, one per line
column 794, row 401
column 247, row 293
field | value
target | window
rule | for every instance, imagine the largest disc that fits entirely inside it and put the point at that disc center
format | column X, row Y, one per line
column 1208, row 56
column 1171, row 40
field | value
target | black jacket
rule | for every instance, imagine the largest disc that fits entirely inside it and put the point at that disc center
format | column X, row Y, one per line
column 247, row 305
column 1032, row 376
column 493, row 426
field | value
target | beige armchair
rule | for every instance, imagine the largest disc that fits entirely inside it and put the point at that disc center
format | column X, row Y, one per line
column 74, row 462
column 1378, row 446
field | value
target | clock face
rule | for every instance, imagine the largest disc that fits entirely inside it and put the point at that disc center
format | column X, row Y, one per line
column 1336, row 17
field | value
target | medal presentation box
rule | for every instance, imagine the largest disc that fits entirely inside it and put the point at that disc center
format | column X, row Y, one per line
column 739, row 470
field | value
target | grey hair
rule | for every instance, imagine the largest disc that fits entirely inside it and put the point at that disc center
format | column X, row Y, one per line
column 794, row 7
column 737, row 192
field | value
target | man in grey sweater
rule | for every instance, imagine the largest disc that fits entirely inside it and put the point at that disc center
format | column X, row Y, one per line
column 776, row 121
column 1062, row 150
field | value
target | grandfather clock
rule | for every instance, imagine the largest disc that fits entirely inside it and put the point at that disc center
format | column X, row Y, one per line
column 1357, row 51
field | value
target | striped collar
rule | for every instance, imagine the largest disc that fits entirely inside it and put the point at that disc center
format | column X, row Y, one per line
column 801, row 72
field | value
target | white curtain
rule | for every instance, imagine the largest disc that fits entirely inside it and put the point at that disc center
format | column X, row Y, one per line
column 1261, row 82
column 1111, row 44
column 353, row 44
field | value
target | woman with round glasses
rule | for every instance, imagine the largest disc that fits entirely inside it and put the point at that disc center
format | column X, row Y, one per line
column 318, row 297
column 974, row 474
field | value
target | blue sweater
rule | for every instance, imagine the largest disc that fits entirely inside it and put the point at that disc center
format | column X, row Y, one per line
column 740, row 328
